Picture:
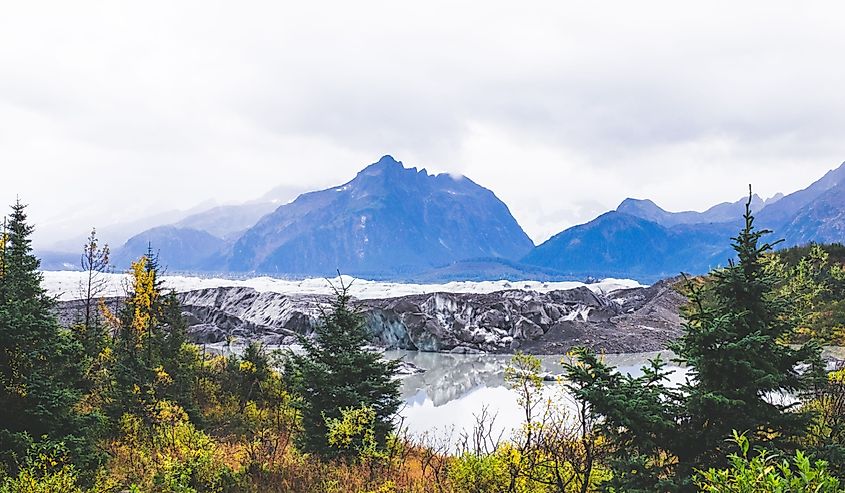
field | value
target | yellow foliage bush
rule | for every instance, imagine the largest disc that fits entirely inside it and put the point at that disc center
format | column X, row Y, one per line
column 472, row 473
column 43, row 474
column 168, row 455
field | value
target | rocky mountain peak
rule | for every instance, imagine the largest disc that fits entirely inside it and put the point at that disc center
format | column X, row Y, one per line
column 832, row 178
column 386, row 164
column 644, row 208
column 389, row 219
column 774, row 198
column 632, row 202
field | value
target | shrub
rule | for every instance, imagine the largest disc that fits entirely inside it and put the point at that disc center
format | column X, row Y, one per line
column 472, row 473
column 44, row 471
column 766, row 472
column 172, row 455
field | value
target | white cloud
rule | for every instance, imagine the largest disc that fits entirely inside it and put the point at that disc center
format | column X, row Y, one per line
column 110, row 110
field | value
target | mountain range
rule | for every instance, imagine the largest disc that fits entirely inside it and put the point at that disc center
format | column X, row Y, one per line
column 643, row 241
column 392, row 222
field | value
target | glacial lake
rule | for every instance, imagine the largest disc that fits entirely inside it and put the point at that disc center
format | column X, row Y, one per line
column 455, row 388
column 444, row 400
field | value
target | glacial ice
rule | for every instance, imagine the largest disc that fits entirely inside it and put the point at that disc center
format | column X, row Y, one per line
column 66, row 285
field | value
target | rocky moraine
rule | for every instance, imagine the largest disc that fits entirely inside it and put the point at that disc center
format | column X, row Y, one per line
column 620, row 321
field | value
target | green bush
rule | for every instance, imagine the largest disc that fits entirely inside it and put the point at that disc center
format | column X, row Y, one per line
column 472, row 473
column 767, row 472
column 43, row 472
column 169, row 456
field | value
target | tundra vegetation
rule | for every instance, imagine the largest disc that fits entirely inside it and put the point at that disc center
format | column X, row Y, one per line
column 121, row 401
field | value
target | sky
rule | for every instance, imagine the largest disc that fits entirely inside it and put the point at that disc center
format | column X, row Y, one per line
column 111, row 111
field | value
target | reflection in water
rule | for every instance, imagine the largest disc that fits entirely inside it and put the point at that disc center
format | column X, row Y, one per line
column 457, row 387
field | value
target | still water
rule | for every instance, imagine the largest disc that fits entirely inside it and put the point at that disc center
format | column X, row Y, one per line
column 445, row 399
column 455, row 388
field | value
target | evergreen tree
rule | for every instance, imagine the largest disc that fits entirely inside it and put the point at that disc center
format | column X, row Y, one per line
column 739, row 363
column 151, row 359
column 337, row 373
column 639, row 416
column 41, row 365
column 739, row 370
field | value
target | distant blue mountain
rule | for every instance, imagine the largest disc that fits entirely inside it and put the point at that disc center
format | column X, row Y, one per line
column 389, row 220
column 616, row 244
column 52, row 260
column 643, row 241
column 230, row 221
column 784, row 211
column 820, row 221
column 392, row 222
column 178, row 249
column 724, row 212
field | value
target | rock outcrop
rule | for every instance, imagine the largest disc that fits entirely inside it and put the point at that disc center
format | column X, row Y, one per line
column 630, row 320
column 494, row 322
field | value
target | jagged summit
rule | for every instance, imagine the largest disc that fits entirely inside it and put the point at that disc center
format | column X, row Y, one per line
column 388, row 166
column 388, row 220
column 385, row 164
column 774, row 198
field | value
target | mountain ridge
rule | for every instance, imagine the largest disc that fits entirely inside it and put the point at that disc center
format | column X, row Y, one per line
column 644, row 241
column 395, row 223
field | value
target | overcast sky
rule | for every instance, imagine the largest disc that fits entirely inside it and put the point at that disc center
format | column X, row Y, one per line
column 112, row 110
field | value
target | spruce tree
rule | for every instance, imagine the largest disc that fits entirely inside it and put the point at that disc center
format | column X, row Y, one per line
column 337, row 372
column 151, row 360
column 638, row 416
column 740, row 365
column 41, row 364
column 741, row 374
